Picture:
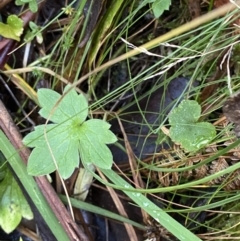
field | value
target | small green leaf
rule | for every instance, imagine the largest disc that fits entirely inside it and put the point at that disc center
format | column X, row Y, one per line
column 185, row 129
column 32, row 4
column 57, row 146
column 159, row 6
column 13, row 205
column 33, row 32
column 188, row 111
column 13, row 29
column 37, row 139
column 93, row 135
column 41, row 160
column 99, row 130
column 72, row 107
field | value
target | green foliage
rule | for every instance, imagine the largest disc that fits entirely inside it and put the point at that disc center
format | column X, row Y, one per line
column 35, row 31
column 31, row 187
column 13, row 205
column 185, row 129
column 57, row 146
column 106, row 23
column 152, row 209
column 13, row 29
column 159, row 6
column 32, row 4
column 228, row 222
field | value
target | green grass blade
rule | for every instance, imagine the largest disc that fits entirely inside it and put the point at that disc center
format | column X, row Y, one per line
column 101, row 211
column 153, row 210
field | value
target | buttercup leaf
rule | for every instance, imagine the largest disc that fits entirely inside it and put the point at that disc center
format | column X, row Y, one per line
column 13, row 29
column 188, row 111
column 13, row 205
column 193, row 136
column 41, row 160
column 97, row 129
column 93, row 135
column 48, row 99
column 58, row 146
column 32, row 4
column 72, row 107
column 159, row 6
column 185, row 129
column 53, row 131
column 94, row 152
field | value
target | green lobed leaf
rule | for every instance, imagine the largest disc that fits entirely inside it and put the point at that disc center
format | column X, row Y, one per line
column 41, row 160
column 37, row 138
column 93, row 136
column 13, row 29
column 32, row 4
column 93, row 152
column 60, row 144
column 185, row 129
column 72, row 107
column 159, row 6
column 59, row 147
column 13, row 205
column 33, row 32
column 193, row 136
column 97, row 129
column 188, row 111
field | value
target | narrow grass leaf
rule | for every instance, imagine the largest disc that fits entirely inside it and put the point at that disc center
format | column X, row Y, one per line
column 152, row 209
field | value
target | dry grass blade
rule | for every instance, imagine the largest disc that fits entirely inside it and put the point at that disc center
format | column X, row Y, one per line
column 134, row 167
